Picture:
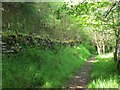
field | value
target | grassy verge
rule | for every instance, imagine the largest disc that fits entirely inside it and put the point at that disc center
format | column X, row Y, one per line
column 42, row 68
column 104, row 73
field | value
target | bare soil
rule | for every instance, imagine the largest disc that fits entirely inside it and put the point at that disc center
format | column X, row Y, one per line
column 81, row 78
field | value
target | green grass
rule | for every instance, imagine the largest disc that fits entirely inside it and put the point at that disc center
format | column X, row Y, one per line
column 42, row 68
column 104, row 73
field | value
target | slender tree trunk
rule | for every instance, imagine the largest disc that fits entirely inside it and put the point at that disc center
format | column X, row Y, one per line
column 98, row 50
column 115, row 52
column 118, row 64
column 103, row 48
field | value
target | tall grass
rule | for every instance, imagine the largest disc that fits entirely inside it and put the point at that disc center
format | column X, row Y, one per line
column 104, row 73
column 42, row 68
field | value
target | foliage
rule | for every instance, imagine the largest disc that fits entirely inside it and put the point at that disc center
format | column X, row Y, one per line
column 42, row 68
column 48, row 20
column 91, row 48
column 102, row 75
column 84, row 23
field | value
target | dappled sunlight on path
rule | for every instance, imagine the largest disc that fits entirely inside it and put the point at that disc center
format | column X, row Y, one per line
column 81, row 79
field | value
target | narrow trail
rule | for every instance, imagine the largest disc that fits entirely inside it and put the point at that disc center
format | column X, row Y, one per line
column 81, row 78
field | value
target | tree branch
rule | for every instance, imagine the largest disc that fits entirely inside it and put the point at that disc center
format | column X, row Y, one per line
column 109, row 10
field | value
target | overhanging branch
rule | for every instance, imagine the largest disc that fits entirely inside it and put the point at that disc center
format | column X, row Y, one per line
column 109, row 10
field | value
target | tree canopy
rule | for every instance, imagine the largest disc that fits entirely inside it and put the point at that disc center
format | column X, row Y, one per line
column 90, row 22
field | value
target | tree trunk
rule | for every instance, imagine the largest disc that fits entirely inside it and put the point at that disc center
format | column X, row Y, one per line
column 98, row 50
column 118, row 64
column 103, row 48
column 115, row 52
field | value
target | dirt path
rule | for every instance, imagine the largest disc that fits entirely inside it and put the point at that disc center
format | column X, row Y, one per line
column 81, row 79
